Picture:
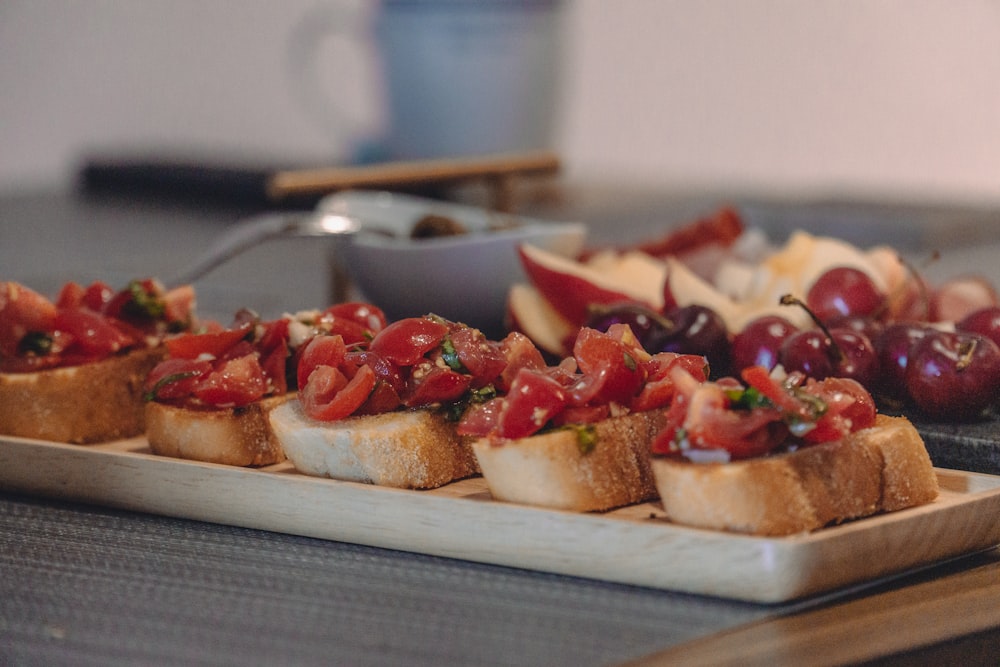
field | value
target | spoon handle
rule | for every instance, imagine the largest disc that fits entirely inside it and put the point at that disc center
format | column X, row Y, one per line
column 237, row 239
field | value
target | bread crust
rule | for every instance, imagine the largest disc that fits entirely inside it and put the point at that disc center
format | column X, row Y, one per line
column 240, row 436
column 552, row 470
column 89, row 403
column 411, row 449
column 879, row 469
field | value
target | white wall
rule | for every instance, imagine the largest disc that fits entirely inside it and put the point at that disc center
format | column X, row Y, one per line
column 884, row 97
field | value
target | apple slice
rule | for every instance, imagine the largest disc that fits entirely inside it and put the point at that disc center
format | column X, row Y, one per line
column 531, row 314
column 571, row 287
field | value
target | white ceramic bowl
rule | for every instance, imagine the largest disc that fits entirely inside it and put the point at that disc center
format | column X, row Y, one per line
column 463, row 278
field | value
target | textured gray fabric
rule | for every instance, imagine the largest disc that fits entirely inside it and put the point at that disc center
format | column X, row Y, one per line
column 91, row 586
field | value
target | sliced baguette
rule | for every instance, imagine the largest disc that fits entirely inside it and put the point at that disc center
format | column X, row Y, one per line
column 238, row 436
column 554, row 470
column 89, row 403
column 879, row 469
column 412, row 449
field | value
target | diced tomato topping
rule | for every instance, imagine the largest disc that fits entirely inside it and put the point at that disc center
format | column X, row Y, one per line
column 519, row 352
column 534, row 399
column 173, row 379
column 357, row 322
column 484, row 360
column 22, row 310
column 481, row 419
column 406, row 341
column 235, row 382
column 320, row 351
column 329, row 395
column 212, row 343
column 93, row 335
column 849, row 408
column 430, row 384
column 610, row 371
column 179, row 304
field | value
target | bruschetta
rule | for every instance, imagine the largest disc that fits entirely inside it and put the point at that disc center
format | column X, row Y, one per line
column 780, row 454
column 209, row 399
column 72, row 368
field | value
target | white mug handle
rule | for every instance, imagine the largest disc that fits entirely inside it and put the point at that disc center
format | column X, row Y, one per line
column 307, row 36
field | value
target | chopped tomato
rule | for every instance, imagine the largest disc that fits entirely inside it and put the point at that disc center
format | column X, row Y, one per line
column 534, row 399
column 173, row 379
column 22, row 310
column 71, row 296
column 430, row 384
column 481, row 419
column 386, row 372
column 849, row 408
column 658, row 390
column 178, row 305
column 212, row 343
column 368, row 320
column 712, row 424
column 519, row 352
column 611, row 373
column 483, row 359
column 319, row 351
column 406, row 341
column 329, row 395
column 93, row 335
column 234, row 382
column 97, row 296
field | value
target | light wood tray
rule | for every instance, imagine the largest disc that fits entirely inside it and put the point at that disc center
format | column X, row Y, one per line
column 633, row 545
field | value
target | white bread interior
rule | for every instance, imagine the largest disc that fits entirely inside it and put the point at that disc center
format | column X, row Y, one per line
column 552, row 470
column 233, row 436
column 411, row 449
column 89, row 403
column 878, row 469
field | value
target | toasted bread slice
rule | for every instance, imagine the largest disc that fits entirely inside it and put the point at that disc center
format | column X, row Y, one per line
column 238, row 436
column 413, row 449
column 878, row 469
column 606, row 465
column 89, row 403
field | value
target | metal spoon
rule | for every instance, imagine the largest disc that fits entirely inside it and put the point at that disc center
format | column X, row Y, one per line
column 258, row 229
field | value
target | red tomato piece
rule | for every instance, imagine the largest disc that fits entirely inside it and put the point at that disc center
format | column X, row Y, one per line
column 386, row 372
column 369, row 317
column 234, row 382
column 430, row 384
column 319, row 351
column 534, row 399
column 22, row 310
column 611, row 373
column 93, row 334
column 179, row 304
column 519, row 352
column 173, row 379
column 712, row 424
column 329, row 395
column 406, row 341
column 481, row 419
column 211, row 343
column 849, row 408
column 70, row 296
column 484, row 359
column 97, row 295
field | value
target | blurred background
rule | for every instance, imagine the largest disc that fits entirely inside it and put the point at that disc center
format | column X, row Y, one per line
column 887, row 98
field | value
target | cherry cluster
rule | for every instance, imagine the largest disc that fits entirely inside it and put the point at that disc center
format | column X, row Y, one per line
column 948, row 371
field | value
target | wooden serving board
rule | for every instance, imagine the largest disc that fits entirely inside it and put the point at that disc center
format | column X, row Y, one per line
column 634, row 545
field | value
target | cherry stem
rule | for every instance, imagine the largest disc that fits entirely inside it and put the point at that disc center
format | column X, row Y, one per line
column 835, row 350
column 965, row 352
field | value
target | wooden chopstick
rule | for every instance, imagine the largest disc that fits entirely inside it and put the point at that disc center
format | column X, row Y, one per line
column 497, row 168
